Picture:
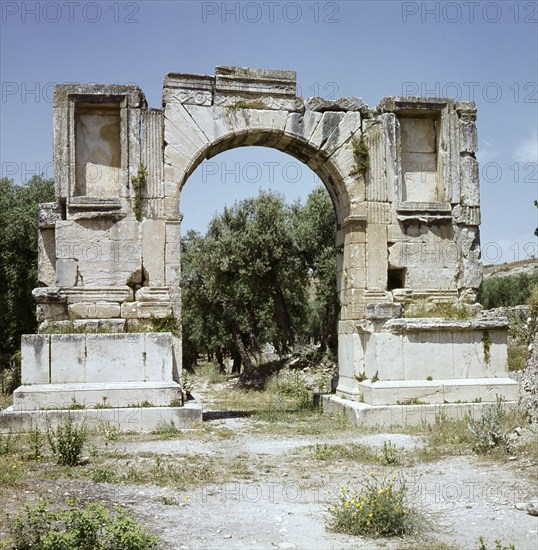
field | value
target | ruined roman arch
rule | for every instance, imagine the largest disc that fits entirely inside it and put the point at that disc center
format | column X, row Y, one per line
column 403, row 178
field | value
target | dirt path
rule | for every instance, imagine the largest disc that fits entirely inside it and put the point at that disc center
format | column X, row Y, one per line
column 279, row 490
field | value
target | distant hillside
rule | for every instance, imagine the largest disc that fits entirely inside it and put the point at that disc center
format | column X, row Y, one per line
column 528, row 266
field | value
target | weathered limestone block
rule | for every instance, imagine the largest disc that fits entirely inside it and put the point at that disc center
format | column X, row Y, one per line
column 393, row 164
column 327, row 125
column 46, row 248
column 348, row 128
column 125, row 352
column 146, row 310
column 466, row 215
column 256, row 88
column 67, row 358
column 468, row 137
column 67, row 273
column 153, row 250
column 158, row 364
column 88, row 257
column 302, row 125
column 51, row 312
column 189, row 89
column 345, row 104
column 117, row 294
column 49, row 214
column 149, row 294
column 470, row 192
column 35, row 358
column 377, row 256
column 376, row 177
column 182, row 134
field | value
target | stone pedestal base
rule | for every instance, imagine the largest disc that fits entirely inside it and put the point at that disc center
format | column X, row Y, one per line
column 100, row 375
column 97, row 395
column 138, row 419
column 363, row 414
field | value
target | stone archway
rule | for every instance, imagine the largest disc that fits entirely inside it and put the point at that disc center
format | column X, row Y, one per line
column 403, row 178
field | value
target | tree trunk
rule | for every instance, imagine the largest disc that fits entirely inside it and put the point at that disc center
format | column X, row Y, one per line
column 236, row 367
column 283, row 317
column 240, row 347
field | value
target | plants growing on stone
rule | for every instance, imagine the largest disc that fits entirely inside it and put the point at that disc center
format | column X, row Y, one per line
column 139, row 184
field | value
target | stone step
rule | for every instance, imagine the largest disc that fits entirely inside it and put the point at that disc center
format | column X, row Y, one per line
column 463, row 390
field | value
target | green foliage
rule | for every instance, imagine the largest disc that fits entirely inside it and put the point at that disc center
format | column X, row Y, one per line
column 139, row 184
column 486, row 346
column 109, row 432
column 18, row 261
column 79, row 527
column 390, row 453
column 482, row 545
column 381, row 508
column 264, row 273
column 362, row 156
column 35, row 436
column 6, row 443
column 164, row 324
column 421, row 308
column 67, row 441
column 512, row 290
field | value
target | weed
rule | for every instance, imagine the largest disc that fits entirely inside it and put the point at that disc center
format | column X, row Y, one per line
column 166, row 430
column 168, row 501
column 413, row 401
column 375, row 377
column 6, row 443
column 109, row 432
column 241, row 104
column 490, row 430
column 353, row 452
column 361, row 377
column 177, row 402
column 381, row 508
column 361, row 154
column 481, row 544
column 139, row 184
column 421, row 308
column 390, row 454
column 66, row 441
column 103, row 475
column 35, row 436
column 486, row 345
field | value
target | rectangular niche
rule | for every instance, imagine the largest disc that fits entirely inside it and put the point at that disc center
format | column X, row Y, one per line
column 420, row 163
column 97, row 150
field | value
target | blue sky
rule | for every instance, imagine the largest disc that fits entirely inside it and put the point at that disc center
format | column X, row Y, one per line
column 486, row 51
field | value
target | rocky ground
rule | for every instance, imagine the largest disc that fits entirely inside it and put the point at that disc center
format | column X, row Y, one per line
column 270, row 482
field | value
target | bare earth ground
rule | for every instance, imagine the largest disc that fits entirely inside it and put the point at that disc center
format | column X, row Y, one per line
column 277, row 490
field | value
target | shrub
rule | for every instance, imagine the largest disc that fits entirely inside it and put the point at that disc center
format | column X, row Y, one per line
column 381, row 508
column 512, row 290
column 66, row 441
column 91, row 527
